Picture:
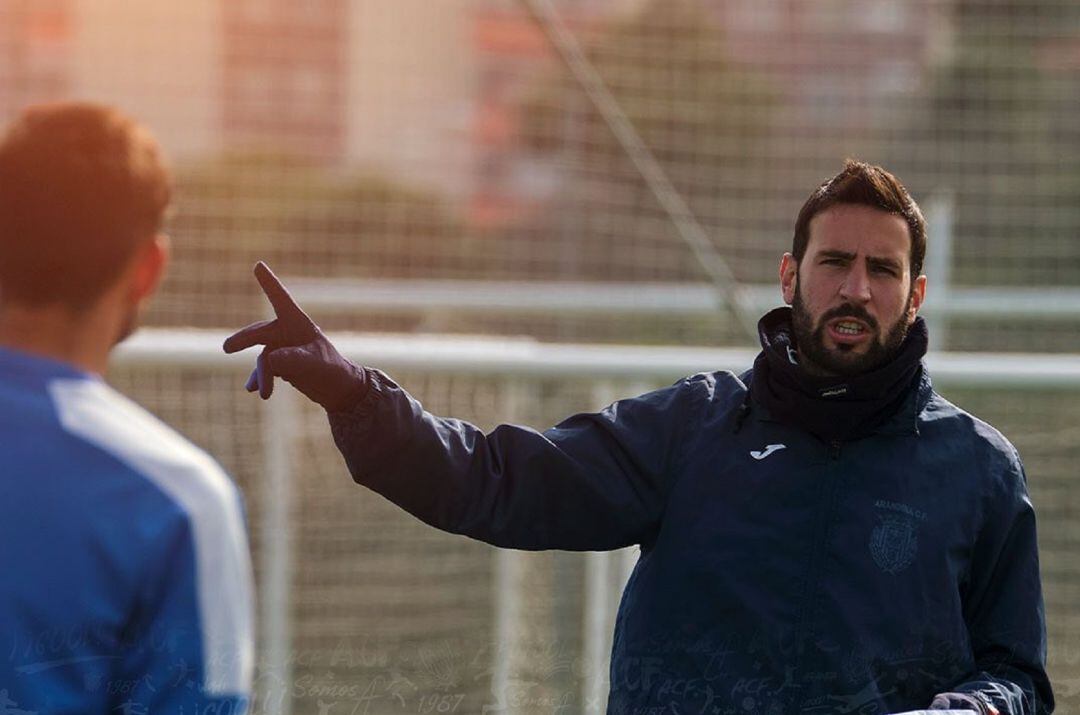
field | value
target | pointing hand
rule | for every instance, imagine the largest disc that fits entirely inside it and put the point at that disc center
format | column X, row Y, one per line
column 296, row 350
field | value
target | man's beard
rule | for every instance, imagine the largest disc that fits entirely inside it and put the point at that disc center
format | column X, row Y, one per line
column 843, row 361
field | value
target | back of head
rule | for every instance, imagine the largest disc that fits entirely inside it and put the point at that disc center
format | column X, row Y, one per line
column 82, row 186
column 867, row 185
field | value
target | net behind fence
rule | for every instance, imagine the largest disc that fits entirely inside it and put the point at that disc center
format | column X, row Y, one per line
column 367, row 139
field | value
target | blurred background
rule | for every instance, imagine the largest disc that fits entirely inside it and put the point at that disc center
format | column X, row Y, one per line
column 504, row 177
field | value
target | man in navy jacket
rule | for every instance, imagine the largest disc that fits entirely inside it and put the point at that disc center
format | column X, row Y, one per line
column 824, row 526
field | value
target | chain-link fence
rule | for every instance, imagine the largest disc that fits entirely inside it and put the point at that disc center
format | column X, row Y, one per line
column 578, row 140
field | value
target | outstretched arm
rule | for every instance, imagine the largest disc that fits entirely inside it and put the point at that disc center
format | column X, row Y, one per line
column 595, row 481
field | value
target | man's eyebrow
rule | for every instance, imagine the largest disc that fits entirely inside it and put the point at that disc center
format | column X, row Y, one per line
column 887, row 262
column 872, row 260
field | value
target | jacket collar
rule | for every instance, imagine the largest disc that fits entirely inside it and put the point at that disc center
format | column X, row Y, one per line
column 904, row 421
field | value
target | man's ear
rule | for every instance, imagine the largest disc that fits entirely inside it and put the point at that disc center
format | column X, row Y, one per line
column 789, row 277
column 918, row 295
column 149, row 268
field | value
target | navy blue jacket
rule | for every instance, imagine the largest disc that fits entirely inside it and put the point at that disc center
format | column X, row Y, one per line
column 778, row 574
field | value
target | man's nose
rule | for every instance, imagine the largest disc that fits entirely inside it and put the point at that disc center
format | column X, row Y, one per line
column 856, row 285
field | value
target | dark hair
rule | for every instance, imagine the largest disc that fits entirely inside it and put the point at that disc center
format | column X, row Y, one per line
column 868, row 185
column 82, row 186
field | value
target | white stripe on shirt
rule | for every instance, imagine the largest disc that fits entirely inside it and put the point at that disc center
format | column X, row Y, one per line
column 98, row 414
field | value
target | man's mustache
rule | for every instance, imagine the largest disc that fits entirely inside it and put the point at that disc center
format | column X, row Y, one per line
column 849, row 311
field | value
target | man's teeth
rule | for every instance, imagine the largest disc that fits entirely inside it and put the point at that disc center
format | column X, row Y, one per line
column 849, row 328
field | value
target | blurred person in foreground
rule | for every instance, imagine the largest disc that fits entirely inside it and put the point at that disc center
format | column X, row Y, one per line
column 823, row 533
column 126, row 575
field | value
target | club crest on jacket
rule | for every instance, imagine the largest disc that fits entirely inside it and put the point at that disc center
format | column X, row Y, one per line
column 894, row 542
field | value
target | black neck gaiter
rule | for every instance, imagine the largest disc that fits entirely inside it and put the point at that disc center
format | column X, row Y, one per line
column 832, row 408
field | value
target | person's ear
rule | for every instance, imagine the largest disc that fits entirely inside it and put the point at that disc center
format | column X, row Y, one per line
column 918, row 295
column 149, row 268
column 789, row 277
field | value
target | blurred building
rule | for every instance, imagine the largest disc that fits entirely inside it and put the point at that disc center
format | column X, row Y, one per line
column 284, row 75
column 426, row 93
column 837, row 63
column 837, row 59
column 35, row 51
column 385, row 86
column 511, row 181
column 410, row 88
column 160, row 62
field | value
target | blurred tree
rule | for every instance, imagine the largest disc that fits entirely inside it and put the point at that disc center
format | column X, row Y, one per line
column 705, row 120
column 1000, row 118
column 303, row 219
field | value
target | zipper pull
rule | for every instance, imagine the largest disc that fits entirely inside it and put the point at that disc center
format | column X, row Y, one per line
column 834, row 449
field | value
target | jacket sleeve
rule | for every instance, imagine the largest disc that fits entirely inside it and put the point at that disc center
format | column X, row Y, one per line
column 1003, row 608
column 595, row 481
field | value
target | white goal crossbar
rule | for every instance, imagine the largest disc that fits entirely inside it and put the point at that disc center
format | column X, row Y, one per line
column 658, row 299
column 527, row 357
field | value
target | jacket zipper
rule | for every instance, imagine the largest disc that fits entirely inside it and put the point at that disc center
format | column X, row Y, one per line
column 808, row 610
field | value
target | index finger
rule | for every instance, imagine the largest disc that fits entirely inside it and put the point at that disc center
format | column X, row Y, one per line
column 279, row 297
column 266, row 332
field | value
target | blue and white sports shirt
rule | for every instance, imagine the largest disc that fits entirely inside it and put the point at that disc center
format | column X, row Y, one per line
column 125, row 576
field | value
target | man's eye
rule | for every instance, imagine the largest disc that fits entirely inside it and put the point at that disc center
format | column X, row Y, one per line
column 884, row 270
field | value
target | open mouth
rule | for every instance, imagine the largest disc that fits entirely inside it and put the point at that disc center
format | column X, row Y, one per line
column 848, row 327
column 848, row 330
